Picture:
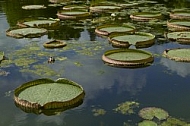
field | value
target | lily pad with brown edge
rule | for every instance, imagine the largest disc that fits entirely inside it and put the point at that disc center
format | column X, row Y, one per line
column 55, row 44
column 107, row 29
column 32, row 7
column 178, row 25
column 139, row 39
column 104, row 8
column 147, row 123
column 150, row 113
column 74, row 14
column 129, row 58
column 45, row 95
column 40, row 23
column 145, row 16
column 182, row 15
column 174, row 122
column 75, row 7
column 178, row 54
column 26, row 32
column 182, row 37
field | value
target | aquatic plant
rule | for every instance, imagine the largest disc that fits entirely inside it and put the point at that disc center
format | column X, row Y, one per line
column 174, row 122
column 31, row 7
column 178, row 25
column 55, row 44
column 98, row 112
column 147, row 123
column 182, row 37
column 145, row 16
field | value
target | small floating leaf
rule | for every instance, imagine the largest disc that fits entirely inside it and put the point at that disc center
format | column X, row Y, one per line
column 30, row 7
column 147, row 123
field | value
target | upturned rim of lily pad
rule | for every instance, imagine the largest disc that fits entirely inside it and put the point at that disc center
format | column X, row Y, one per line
column 104, row 8
column 73, row 14
column 173, row 26
column 20, row 32
column 126, row 43
column 33, row 7
column 55, row 44
column 101, row 30
column 145, row 16
column 111, row 58
column 34, row 103
column 178, row 54
column 181, row 15
column 75, row 7
column 180, row 37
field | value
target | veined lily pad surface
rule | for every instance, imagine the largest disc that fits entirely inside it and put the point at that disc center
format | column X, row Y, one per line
column 145, row 16
column 45, row 94
column 179, row 54
column 178, row 25
column 150, row 113
column 139, row 39
column 107, row 29
column 72, row 14
column 130, row 58
column 31, row 7
column 26, row 32
column 181, row 37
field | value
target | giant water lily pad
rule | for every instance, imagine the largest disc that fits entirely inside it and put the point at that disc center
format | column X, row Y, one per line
column 26, row 32
column 130, row 58
column 139, row 39
column 145, row 16
column 104, row 8
column 179, row 54
column 181, row 37
column 42, row 23
column 45, row 94
column 54, row 44
column 150, row 113
column 147, row 123
column 75, row 14
column 77, row 7
column 31, row 7
column 174, row 122
column 178, row 25
column 105, row 30
column 180, row 14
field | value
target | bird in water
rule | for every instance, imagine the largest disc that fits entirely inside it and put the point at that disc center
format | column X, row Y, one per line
column 51, row 60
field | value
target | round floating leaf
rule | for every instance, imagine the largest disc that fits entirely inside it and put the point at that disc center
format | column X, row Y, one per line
column 26, row 32
column 130, row 58
column 174, row 122
column 145, row 16
column 54, row 44
column 182, row 55
column 147, row 123
column 181, row 37
column 76, row 7
column 45, row 94
column 104, row 8
column 73, row 14
column 42, row 23
column 180, row 14
column 139, row 39
column 178, row 25
column 31, row 7
column 152, row 112
column 105, row 30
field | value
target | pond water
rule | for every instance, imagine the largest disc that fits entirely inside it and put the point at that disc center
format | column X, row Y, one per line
column 164, row 84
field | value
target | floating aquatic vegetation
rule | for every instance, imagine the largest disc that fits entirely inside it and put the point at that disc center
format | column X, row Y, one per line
column 75, row 7
column 104, row 8
column 98, row 112
column 147, row 123
column 130, row 58
column 180, row 14
column 178, row 25
column 127, row 107
column 3, row 72
column 179, row 54
column 107, row 29
column 40, row 23
column 43, row 95
column 55, row 44
column 182, row 37
column 174, row 122
column 128, row 4
column 2, row 56
column 26, row 32
column 145, row 16
column 150, row 113
column 139, row 39
column 31, row 7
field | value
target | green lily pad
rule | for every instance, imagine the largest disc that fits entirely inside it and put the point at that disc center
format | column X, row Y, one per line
column 104, row 8
column 130, row 58
column 180, row 14
column 105, row 30
column 31, row 7
column 178, row 25
column 147, row 123
column 45, row 94
column 2, row 56
column 139, row 39
column 145, row 16
column 26, row 32
column 152, row 112
column 75, row 14
column 179, row 54
column 174, row 122
column 76, row 7
column 181, row 37
column 54, row 44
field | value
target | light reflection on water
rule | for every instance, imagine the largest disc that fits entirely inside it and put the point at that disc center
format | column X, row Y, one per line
column 164, row 84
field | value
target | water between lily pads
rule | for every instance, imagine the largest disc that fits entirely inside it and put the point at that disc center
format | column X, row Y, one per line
column 163, row 84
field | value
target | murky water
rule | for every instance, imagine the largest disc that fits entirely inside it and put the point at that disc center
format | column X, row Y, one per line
column 165, row 84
